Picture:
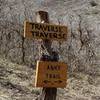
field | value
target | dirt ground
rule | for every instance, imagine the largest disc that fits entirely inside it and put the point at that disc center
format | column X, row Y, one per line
column 17, row 83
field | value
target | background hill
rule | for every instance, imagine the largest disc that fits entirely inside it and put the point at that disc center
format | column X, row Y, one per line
column 81, row 50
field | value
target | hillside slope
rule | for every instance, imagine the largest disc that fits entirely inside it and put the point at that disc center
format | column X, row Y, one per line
column 17, row 83
column 80, row 51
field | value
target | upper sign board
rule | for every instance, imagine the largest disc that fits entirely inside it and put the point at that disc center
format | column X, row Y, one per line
column 51, row 74
column 45, row 31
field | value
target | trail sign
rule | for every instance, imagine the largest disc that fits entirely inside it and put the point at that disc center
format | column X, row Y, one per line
column 51, row 74
column 45, row 31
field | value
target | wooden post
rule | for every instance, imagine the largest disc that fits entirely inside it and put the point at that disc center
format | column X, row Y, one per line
column 47, row 55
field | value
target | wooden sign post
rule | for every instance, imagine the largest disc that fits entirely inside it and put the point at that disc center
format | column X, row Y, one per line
column 47, row 93
column 50, row 73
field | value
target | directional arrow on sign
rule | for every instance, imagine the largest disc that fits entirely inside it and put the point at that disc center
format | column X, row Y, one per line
column 59, row 81
column 46, row 81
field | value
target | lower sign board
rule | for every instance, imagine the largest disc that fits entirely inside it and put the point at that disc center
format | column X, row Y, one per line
column 44, row 31
column 51, row 74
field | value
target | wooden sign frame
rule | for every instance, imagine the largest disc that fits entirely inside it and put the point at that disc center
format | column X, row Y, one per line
column 45, row 31
column 51, row 74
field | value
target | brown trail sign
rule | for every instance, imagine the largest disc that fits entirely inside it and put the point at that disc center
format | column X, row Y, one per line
column 49, row 71
column 44, row 31
column 51, row 74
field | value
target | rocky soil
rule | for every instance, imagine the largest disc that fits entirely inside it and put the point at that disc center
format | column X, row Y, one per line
column 17, row 83
column 81, row 50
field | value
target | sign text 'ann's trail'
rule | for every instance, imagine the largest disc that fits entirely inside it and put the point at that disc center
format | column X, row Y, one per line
column 51, row 74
